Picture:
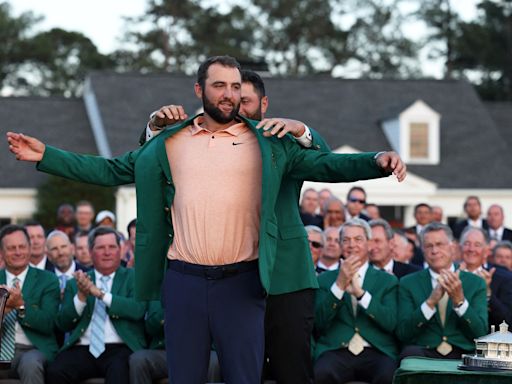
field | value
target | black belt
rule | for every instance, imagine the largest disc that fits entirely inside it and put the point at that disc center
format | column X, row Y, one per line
column 212, row 272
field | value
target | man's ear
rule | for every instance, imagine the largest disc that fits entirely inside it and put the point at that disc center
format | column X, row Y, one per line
column 198, row 90
column 264, row 104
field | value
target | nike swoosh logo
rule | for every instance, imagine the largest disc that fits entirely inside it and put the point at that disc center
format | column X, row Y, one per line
column 237, row 143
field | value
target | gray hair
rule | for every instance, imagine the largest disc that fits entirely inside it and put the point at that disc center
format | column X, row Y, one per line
column 332, row 200
column 469, row 229
column 502, row 244
column 56, row 233
column 357, row 222
column 315, row 229
column 434, row 227
column 384, row 224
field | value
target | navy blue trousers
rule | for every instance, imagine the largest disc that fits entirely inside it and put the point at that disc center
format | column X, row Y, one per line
column 227, row 312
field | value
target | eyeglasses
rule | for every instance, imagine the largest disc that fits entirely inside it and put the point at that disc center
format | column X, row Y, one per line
column 354, row 200
column 316, row 244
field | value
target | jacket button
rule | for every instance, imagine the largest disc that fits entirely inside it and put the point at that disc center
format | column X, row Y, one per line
column 169, row 182
column 445, row 338
column 166, row 209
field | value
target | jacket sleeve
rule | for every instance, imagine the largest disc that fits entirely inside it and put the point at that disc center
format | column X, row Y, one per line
column 89, row 169
column 411, row 320
column 39, row 316
column 383, row 307
column 304, row 164
column 474, row 322
column 318, row 142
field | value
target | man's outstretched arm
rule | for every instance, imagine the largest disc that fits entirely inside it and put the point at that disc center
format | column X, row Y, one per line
column 85, row 168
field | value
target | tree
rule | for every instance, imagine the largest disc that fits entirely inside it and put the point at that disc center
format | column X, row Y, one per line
column 300, row 37
column 57, row 62
column 13, row 32
column 56, row 191
column 376, row 42
column 485, row 47
column 444, row 30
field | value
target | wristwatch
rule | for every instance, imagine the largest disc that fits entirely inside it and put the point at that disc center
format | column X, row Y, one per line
column 21, row 311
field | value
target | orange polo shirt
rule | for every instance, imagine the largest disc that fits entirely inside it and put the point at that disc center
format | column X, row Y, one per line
column 216, row 207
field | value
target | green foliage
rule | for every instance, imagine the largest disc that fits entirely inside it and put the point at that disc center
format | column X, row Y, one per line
column 485, row 46
column 56, row 191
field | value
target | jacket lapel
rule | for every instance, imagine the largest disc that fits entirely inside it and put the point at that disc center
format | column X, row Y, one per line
column 118, row 279
column 30, row 281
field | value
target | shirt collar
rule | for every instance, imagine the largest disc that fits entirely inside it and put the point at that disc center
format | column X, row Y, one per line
column 435, row 275
column 362, row 271
column 233, row 130
column 389, row 266
column 99, row 275
column 333, row 267
column 10, row 276
column 69, row 272
column 41, row 264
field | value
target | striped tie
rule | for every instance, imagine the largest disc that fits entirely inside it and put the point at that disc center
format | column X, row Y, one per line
column 63, row 279
column 9, row 332
column 99, row 316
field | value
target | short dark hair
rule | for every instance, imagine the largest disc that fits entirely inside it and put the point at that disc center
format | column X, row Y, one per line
column 421, row 205
column 472, row 197
column 100, row 231
column 252, row 77
column 81, row 234
column 226, row 61
column 11, row 228
column 131, row 224
column 356, row 188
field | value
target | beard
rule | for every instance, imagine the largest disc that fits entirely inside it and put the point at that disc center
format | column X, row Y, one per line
column 216, row 114
column 256, row 115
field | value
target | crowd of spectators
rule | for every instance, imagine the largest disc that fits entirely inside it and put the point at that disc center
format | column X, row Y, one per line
column 385, row 294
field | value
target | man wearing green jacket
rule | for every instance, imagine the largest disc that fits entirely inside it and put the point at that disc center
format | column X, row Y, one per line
column 290, row 308
column 356, row 315
column 28, row 338
column 441, row 310
column 104, row 322
column 206, row 192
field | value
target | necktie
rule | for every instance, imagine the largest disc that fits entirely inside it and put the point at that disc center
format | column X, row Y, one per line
column 9, row 332
column 356, row 343
column 99, row 317
column 444, row 348
column 319, row 270
column 63, row 279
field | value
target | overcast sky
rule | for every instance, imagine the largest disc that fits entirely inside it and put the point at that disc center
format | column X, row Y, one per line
column 101, row 20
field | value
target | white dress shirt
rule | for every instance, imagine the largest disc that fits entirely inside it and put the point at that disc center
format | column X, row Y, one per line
column 20, row 337
column 429, row 312
column 111, row 335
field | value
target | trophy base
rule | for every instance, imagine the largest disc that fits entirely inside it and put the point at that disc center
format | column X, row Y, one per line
column 476, row 363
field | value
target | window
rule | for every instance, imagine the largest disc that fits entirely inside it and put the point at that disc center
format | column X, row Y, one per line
column 418, row 141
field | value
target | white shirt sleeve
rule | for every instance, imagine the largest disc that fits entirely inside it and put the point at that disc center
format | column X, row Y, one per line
column 336, row 291
column 306, row 140
column 462, row 309
column 79, row 305
column 427, row 311
column 365, row 300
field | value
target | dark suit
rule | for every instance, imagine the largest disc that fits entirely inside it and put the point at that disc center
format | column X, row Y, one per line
column 459, row 227
column 506, row 235
column 500, row 301
column 336, row 324
column 74, row 363
column 309, row 219
column 401, row 269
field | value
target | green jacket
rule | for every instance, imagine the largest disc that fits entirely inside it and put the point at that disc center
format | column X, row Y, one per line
column 149, row 168
column 155, row 325
column 414, row 329
column 293, row 268
column 125, row 313
column 41, row 294
column 335, row 323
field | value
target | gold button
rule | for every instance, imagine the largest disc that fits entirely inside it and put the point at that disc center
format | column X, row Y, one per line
column 356, row 329
column 445, row 338
column 166, row 209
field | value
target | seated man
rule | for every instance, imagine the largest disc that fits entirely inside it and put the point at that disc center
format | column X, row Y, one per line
column 441, row 310
column 103, row 318
column 380, row 252
column 355, row 316
column 28, row 339
column 474, row 244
